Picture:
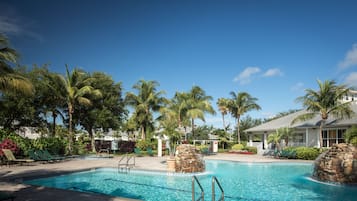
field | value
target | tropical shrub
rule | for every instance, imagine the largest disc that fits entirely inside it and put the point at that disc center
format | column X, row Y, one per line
column 202, row 147
column 251, row 149
column 143, row 144
column 22, row 143
column 304, row 153
column 237, row 147
column 9, row 144
column 230, row 145
column 52, row 144
column 351, row 135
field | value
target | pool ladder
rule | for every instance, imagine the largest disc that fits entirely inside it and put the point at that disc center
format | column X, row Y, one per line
column 125, row 163
column 202, row 197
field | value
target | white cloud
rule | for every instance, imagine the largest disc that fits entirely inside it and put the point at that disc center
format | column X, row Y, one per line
column 351, row 79
column 298, row 86
column 350, row 58
column 9, row 26
column 246, row 75
column 12, row 24
column 273, row 72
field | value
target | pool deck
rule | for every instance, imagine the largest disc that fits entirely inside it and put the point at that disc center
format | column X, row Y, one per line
column 11, row 178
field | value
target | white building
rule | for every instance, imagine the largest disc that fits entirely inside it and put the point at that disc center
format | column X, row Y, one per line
column 306, row 133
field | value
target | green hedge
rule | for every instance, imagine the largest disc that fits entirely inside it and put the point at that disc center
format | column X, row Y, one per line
column 304, row 153
column 251, row 149
column 237, row 147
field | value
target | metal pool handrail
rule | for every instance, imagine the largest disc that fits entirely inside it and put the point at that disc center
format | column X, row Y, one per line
column 125, row 165
column 202, row 197
column 215, row 180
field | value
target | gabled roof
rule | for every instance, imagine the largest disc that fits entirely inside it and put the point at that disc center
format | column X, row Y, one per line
column 285, row 121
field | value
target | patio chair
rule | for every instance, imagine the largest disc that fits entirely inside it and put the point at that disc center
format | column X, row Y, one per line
column 149, row 151
column 11, row 158
column 137, row 151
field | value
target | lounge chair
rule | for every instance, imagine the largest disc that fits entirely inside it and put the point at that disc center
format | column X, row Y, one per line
column 47, row 154
column 137, row 151
column 149, row 151
column 11, row 158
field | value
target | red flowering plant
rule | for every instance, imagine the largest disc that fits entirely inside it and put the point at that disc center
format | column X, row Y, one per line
column 9, row 144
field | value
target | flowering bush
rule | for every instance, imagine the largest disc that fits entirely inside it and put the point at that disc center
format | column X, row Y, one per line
column 8, row 144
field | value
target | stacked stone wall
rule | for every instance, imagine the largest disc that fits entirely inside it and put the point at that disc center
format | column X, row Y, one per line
column 188, row 159
column 338, row 164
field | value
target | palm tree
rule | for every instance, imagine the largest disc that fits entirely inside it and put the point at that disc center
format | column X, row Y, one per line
column 286, row 134
column 147, row 101
column 223, row 108
column 78, row 90
column 275, row 138
column 323, row 102
column 179, row 104
column 198, row 104
column 9, row 79
column 240, row 104
column 53, row 96
column 169, row 122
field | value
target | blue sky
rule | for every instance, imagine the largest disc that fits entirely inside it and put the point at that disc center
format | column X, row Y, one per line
column 270, row 49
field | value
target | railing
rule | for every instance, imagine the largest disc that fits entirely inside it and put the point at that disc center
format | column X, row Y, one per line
column 130, row 158
column 124, row 164
column 202, row 197
column 215, row 181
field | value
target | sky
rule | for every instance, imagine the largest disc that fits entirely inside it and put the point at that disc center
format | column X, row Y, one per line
column 272, row 49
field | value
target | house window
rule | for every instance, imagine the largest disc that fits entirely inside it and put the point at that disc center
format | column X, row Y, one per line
column 332, row 136
column 298, row 138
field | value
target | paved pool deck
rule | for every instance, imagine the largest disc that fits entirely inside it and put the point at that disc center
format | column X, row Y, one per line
column 11, row 178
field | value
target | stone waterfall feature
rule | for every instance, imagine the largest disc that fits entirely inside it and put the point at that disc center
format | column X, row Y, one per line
column 338, row 164
column 188, row 159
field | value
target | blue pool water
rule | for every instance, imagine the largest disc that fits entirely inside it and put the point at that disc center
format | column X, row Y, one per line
column 240, row 181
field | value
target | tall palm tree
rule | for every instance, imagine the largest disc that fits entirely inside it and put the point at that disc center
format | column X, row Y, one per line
column 53, row 96
column 239, row 104
column 147, row 101
column 198, row 104
column 222, row 104
column 9, row 79
column 180, row 104
column 325, row 101
column 78, row 90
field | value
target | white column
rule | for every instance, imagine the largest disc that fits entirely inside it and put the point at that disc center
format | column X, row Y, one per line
column 318, row 139
column 250, row 140
column 306, row 137
column 159, row 147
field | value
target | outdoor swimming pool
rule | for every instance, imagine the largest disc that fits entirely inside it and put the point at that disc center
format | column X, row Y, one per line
column 240, row 181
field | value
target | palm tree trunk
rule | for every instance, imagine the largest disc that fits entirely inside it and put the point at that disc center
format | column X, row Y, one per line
column 238, row 130
column 92, row 141
column 70, row 132
column 142, row 132
column 54, row 116
column 224, row 123
column 193, row 128
column 320, row 136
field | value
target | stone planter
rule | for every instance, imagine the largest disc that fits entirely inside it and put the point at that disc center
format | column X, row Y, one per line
column 171, row 164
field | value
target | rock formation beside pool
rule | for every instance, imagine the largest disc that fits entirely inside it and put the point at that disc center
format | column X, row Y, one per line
column 188, row 159
column 338, row 164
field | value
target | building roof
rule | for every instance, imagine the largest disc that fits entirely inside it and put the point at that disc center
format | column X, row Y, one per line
column 315, row 122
